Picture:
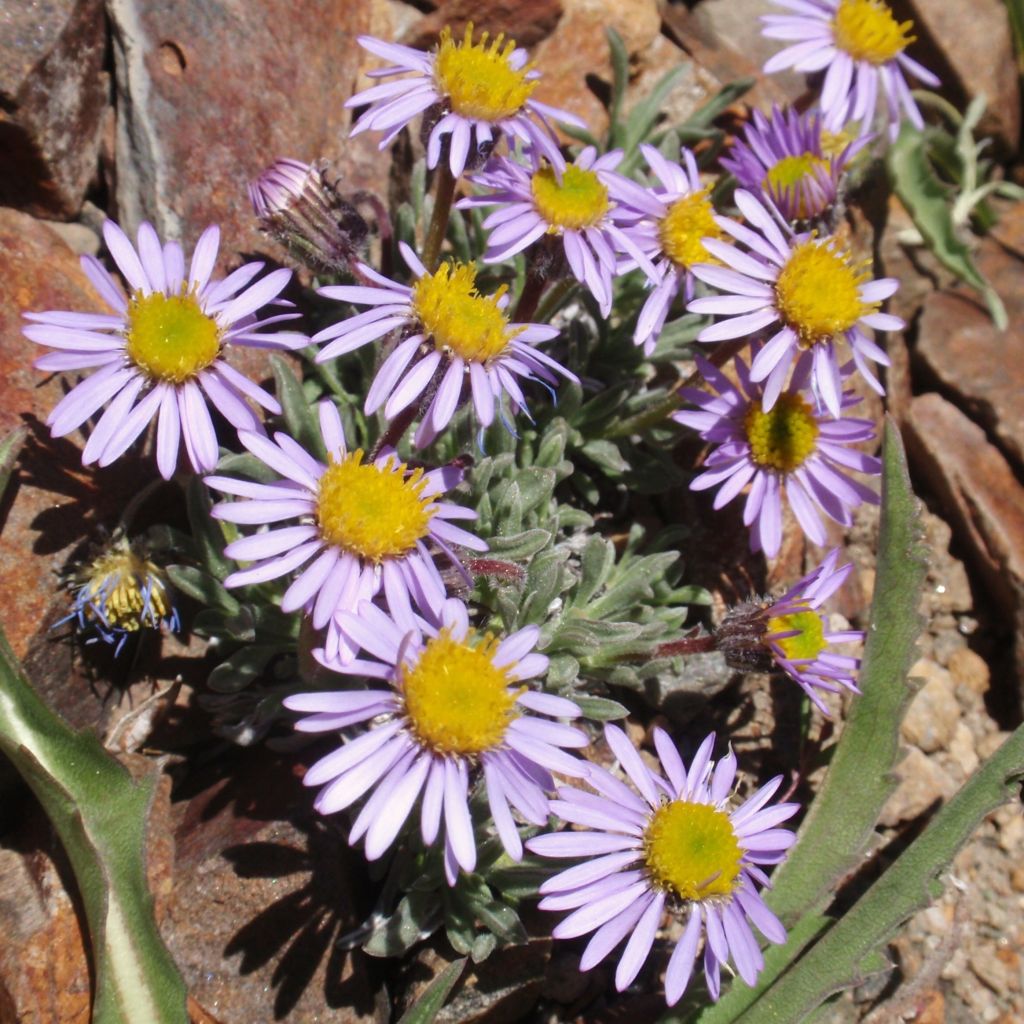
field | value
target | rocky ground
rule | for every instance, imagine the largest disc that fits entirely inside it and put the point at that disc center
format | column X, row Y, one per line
column 163, row 112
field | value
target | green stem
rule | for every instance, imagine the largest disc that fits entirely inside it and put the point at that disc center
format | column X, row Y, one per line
column 443, row 197
column 553, row 300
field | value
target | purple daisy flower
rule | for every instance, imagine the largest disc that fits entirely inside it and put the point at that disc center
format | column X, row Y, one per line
column 791, row 448
column 798, row 636
column 862, row 45
column 792, row 161
column 363, row 526
column 678, row 216
column 585, row 203
column 164, row 343
column 679, row 843
column 479, row 91
column 808, row 286
column 455, row 710
column 454, row 330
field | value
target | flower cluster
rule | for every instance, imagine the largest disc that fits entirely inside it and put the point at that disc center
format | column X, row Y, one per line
column 354, row 524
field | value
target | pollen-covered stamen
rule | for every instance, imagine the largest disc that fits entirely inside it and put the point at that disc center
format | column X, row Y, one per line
column 784, row 437
column 691, row 851
column 689, row 220
column 457, row 317
column 867, row 30
column 478, row 80
column 456, row 700
column 816, row 292
column 579, row 200
column 169, row 337
column 808, row 639
column 373, row 511
column 127, row 590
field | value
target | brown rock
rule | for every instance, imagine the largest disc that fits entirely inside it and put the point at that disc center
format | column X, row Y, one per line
column 212, row 92
column 931, row 720
column 525, row 21
column 53, row 93
column 922, row 784
column 969, row 669
column 578, row 49
column 961, row 749
column 976, row 48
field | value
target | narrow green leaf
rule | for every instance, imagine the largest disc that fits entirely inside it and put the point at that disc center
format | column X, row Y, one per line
column 721, row 101
column 206, row 531
column 620, row 80
column 909, row 885
column 649, row 109
column 100, row 814
column 298, row 416
column 427, row 1007
column 10, row 449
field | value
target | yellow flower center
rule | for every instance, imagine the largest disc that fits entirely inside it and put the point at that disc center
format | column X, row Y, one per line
column 129, row 589
column 374, row 511
column 816, row 292
column 478, row 80
column 691, row 850
column 808, row 642
column 866, row 30
column 580, row 200
column 458, row 317
column 681, row 229
column 783, row 437
column 833, row 143
column 169, row 337
column 456, row 700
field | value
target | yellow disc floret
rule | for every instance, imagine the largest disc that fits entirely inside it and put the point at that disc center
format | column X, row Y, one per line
column 867, row 30
column 457, row 317
column 457, row 701
column 373, row 511
column 816, row 292
column 809, row 639
column 579, row 200
column 691, row 851
column 689, row 220
column 128, row 589
column 478, row 80
column 169, row 337
column 784, row 437
column 786, row 177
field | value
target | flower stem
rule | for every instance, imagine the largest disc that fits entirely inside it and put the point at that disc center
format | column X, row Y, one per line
column 443, row 197
column 643, row 421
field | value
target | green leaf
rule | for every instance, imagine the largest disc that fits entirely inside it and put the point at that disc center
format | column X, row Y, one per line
column 206, row 531
column 648, row 110
column 10, row 448
column 99, row 812
column 427, row 1007
column 298, row 416
column 853, row 943
column 600, row 709
column 841, row 820
column 926, row 201
column 620, row 80
column 202, row 587
column 520, row 546
column 417, row 915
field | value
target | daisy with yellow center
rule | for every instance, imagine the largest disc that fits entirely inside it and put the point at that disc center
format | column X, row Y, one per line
column 793, row 162
column 674, row 219
column 790, row 450
column 808, row 290
column 586, row 204
column 861, row 47
column 449, row 331
column 799, row 639
column 456, row 711
column 160, row 353
column 364, row 527
column 677, row 842
column 478, row 88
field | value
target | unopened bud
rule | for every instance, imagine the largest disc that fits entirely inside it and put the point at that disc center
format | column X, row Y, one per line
column 740, row 637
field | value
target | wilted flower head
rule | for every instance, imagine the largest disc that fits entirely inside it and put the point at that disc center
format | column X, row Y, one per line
column 860, row 46
column 679, row 843
column 792, row 161
column 790, row 449
column 302, row 210
column 364, row 525
column 454, row 330
column 792, row 635
column 161, row 353
column 121, row 592
column 807, row 289
column 455, row 709
column 481, row 90
column 584, row 203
